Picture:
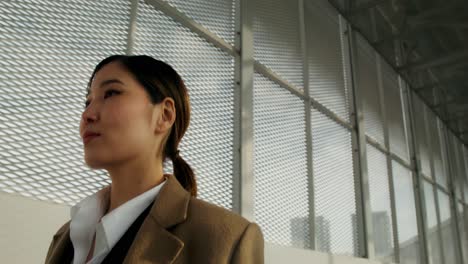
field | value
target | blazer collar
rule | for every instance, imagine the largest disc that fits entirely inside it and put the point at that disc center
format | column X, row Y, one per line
column 155, row 243
column 60, row 241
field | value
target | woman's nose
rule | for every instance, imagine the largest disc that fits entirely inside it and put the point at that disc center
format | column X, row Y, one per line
column 89, row 115
column 89, row 118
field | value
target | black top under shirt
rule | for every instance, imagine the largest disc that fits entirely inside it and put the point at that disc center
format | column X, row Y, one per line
column 119, row 251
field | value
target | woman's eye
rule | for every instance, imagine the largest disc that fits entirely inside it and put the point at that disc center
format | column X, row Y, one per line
column 105, row 96
column 110, row 92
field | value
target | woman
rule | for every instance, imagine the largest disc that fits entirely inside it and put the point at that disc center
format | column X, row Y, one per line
column 136, row 113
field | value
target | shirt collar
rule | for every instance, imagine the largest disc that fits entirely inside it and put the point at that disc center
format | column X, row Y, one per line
column 116, row 223
column 98, row 200
column 87, row 218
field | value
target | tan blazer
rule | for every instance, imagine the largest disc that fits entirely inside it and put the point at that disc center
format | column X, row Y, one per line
column 184, row 229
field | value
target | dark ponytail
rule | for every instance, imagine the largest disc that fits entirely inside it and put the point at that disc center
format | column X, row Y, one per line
column 160, row 80
column 184, row 174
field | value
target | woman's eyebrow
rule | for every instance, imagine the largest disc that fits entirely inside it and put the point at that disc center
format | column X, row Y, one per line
column 106, row 82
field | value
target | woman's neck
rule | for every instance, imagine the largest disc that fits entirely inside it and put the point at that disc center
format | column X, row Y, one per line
column 130, row 181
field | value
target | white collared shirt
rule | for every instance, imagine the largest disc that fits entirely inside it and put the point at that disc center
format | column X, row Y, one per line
column 87, row 219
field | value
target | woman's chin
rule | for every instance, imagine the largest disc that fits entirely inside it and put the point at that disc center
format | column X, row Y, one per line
column 93, row 163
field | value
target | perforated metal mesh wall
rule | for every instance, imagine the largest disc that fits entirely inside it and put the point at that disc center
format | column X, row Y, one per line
column 277, row 43
column 47, row 52
column 218, row 16
column 281, row 193
column 437, row 154
column 398, row 143
column 462, row 226
column 432, row 229
column 465, row 220
column 334, row 194
column 327, row 79
column 208, row 74
column 456, row 163
column 49, row 48
column 441, row 167
column 461, row 174
column 380, row 203
column 465, row 185
column 447, row 226
column 422, row 141
column 405, row 207
column 368, row 90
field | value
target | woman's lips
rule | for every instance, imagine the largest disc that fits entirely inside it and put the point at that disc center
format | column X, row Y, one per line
column 89, row 138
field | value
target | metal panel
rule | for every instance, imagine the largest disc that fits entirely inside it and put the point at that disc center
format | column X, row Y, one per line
column 308, row 121
column 218, row 16
column 361, row 181
column 327, row 79
column 417, row 174
column 276, row 38
column 369, row 91
column 408, row 237
column 394, row 112
column 132, row 26
column 334, row 194
column 432, row 229
column 244, row 111
column 380, row 204
column 208, row 73
column 447, row 228
column 382, row 76
column 280, row 165
column 48, row 50
column 465, row 174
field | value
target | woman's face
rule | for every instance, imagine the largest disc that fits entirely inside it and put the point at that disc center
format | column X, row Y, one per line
column 120, row 110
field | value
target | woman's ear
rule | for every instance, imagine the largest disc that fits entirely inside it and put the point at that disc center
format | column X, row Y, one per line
column 166, row 115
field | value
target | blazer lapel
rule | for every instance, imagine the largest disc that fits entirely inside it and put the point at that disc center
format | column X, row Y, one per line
column 153, row 242
column 60, row 241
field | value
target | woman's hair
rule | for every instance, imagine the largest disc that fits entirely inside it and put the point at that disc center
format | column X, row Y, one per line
column 160, row 80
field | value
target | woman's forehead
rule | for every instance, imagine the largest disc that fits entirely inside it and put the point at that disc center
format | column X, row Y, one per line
column 113, row 70
column 112, row 73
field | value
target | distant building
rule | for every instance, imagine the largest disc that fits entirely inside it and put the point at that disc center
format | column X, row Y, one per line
column 322, row 231
column 382, row 231
column 300, row 233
